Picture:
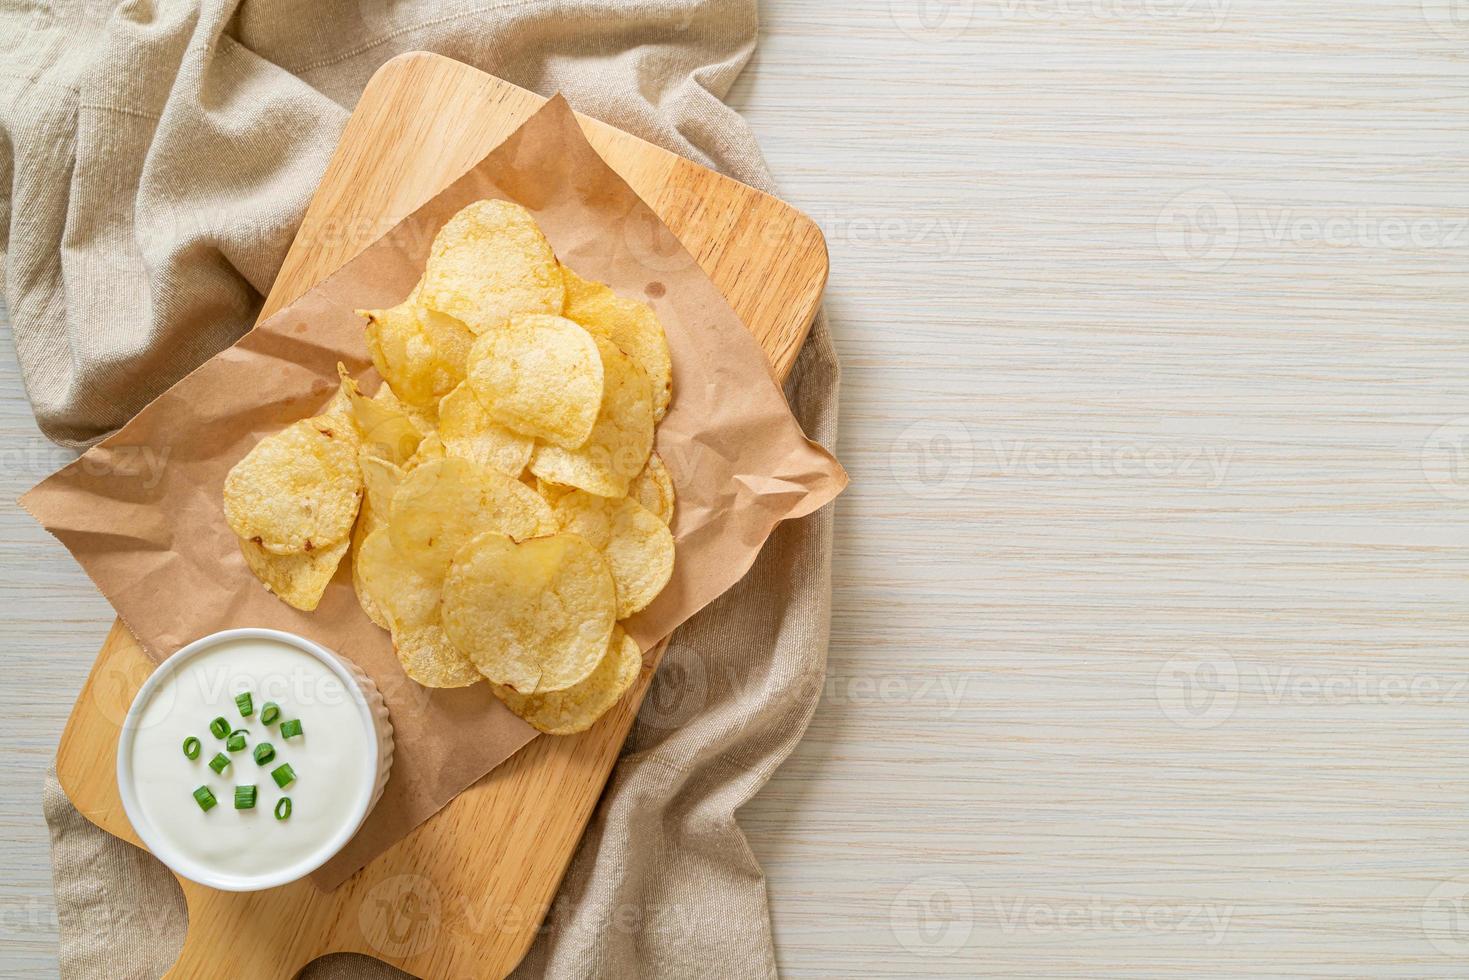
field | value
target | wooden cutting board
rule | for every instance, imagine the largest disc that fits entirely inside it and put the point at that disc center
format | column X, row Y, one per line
column 464, row 893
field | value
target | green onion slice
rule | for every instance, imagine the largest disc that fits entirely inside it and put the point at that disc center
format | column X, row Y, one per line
column 270, row 713
column 219, row 762
column 283, row 775
column 219, row 728
column 290, row 729
column 283, row 808
column 192, row 747
column 244, row 797
column 204, row 798
column 236, row 741
column 264, row 752
column 246, row 704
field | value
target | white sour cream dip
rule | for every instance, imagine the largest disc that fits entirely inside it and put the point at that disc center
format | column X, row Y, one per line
column 335, row 760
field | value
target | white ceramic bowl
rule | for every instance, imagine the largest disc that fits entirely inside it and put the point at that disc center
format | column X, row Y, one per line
column 377, row 728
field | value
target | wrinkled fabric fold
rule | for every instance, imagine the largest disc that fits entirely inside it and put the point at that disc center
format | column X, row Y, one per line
column 155, row 160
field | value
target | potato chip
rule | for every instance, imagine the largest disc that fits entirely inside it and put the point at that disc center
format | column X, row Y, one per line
column 468, row 431
column 419, row 352
column 637, row 545
column 298, row 489
column 368, row 521
column 551, row 492
column 631, row 325
column 441, row 504
column 406, row 596
column 298, row 579
column 428, row 658
column 653, row 488
column 409, row 606
column 617, row 450
column 430, row 449
column 380, row 480
column 579, row 706
column 340, row 405
column 534, row 616
column 489, row 263
column 541, row 376
column 386, row 430
column 426, row 420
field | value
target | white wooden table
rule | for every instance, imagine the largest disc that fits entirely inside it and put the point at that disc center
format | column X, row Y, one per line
column 1148, row 653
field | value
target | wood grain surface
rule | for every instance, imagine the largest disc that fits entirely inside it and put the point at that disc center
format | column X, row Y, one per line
column 464, row 893
column 1000, row 193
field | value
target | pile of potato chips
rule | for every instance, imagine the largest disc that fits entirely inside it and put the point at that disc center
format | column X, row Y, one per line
column 499, row 494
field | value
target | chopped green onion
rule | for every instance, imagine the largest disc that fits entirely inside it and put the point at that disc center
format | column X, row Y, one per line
column 264, row 752
column 219, row 728
column 283, row 775
column 244, row 797
column 236, row 740
column 191, row 747
column 219, row 762
column 270, row 713
column 204, row 798
column 290, row 729
column 283, row 808
column 246, row 704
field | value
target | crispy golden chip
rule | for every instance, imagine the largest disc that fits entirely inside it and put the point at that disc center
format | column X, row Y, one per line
column 637, row 545
column 541, row 376
column 653, row 488
column 298, row 489
column 428, row 658
column 469, row 432
column 386, row 430
column 550, row 492
column 367, row 522
column 534, row 616
column 380, row 480
column 579, row 706
column 406, row 596
column 425, row 420
column 441, row 504
column 340, row 405
column 430, row 449
column 419, row 352
column 408, row 604
column 299, row 579
column 489, row 263
column 617, row 450
column 631, row 325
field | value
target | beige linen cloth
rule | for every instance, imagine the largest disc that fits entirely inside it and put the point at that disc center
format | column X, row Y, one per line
column 155, row 158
